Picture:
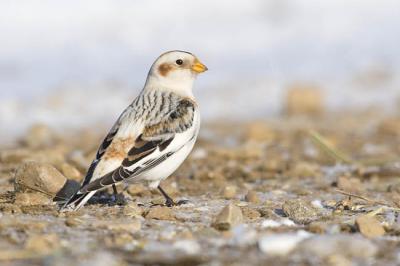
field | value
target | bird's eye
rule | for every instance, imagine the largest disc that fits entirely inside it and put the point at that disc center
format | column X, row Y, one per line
column 179, row 62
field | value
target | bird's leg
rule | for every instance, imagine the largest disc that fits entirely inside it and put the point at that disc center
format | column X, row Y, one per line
column 118, row 198
column 114, row 190
column 169, row 202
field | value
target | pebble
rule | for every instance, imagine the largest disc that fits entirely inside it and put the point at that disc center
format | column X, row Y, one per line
column 189, row 247
column 229, row 192
column 252, row 197
column 70, row 172
column 305, row 169
column 127, row 225
column 243, row 235
column 300, row 211
column 250, row 213
column 39, row 177
column 161, row 213
column 281, row 244
column 325, row 246
column 39, row 136
column 42, row 244
column 304, row 99
column 32, row 198
column 133, row 210
column 73, row 222
column 14, row 155
column 137, row 189
column 369, row 226
column 230, row 216
column 349, row 184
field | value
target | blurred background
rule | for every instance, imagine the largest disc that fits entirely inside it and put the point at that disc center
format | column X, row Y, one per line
column 74, row 63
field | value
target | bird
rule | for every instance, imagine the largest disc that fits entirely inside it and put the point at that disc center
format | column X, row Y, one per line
column 153, row 135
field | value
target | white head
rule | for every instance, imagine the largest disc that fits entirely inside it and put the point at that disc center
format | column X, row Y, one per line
column 175, row 70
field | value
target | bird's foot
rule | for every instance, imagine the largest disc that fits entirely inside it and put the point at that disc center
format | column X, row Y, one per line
column 119, row 199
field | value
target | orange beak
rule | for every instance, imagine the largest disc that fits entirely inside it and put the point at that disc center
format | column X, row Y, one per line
column 198, row 66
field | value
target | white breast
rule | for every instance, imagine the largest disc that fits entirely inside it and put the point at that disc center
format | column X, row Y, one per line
column 181, row 146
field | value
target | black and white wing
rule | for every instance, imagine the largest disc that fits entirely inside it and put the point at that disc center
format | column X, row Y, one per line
column 162, row 134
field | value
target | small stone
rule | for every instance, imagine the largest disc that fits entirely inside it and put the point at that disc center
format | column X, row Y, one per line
column 32, row 198
column 39, row 177
column 131, row 226
column 189, row 247
column 73, row 222
column 136, row 189
column 260, row 132
column 281, row 244
column 43, row 244
column 229, row 192
column 300, row 211
column 349, row 184
column 252, row 197
column 14, row 155
column 346, row 245
column 229, row 216
column 119, row 240
column 305, row 169
column 250, row 213
column 161, row 213
column 369, row 226
column 39, row 136
column 304, row 99
column 70, row 172
column 133, row 210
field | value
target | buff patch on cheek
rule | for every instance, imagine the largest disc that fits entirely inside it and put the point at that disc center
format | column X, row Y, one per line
column 164, row 69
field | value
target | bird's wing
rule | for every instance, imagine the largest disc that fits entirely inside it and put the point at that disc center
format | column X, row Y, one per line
column 108, row 140
column 154, row 145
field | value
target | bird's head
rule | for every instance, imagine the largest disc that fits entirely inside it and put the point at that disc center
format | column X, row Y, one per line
column 175, row 70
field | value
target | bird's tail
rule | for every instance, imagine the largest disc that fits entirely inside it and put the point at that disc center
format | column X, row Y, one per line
column 77, row 201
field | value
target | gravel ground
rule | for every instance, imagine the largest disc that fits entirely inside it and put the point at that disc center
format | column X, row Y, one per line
column 286, row 191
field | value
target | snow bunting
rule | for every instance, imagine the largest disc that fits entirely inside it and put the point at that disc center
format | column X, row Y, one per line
column 153, row 135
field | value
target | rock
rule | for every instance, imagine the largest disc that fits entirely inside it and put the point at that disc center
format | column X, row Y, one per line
column 31, row 198
column 73, row 222
column 300, row 211
column 243, row 235
column 349, row 184
column 389, row 127
column 39, row 177
column 250, row 213
column 133, row 210
column 304, row 99
column 189, row 247
column 43, row 244
column 229, row 192
column 119, row 240
column 70, row 172
column 137, row 189
column 325, row 246
column 369, row 226
column 229, row 216
column 304, row 169
column 252, row 197
column 260, row 132
column 39, row 136
column 281, row 244
column 161, row 213
column 128, row 225
column 14, row 155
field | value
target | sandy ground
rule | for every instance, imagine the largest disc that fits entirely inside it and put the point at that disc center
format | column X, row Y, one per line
column 292, row 191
